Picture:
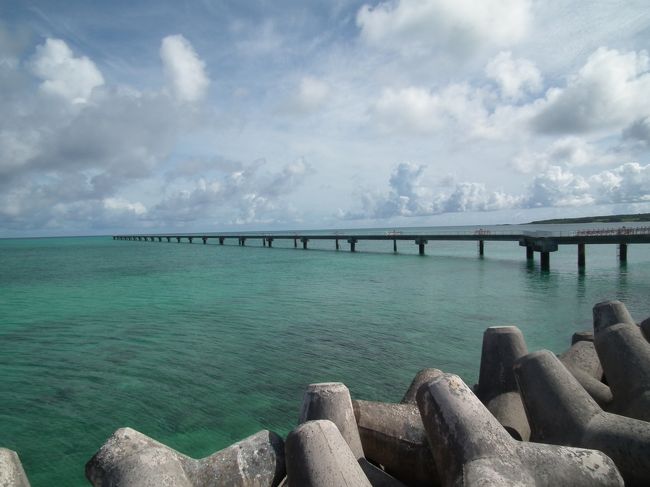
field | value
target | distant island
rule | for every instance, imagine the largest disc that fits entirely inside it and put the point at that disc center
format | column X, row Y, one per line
column 638, row 217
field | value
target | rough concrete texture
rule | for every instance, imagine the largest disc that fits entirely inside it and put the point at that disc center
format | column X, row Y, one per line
column 625, row 355
column 332, row 401
column 502, row 345
column 471, row 448
column 318, row 456
column 131, row 459
column 422, row 377
column 608, row 313
column 393, row 436
column 579, row 336
column 561, row 412
column 582, row 361
column 11, row 470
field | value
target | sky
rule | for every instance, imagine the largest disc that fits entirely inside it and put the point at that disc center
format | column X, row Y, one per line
column 226, row 115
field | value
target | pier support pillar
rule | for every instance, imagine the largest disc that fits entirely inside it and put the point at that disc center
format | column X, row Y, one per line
column 545, row 260
column 530, row 253
column 421, row 243
column 622, row 252
column 190, row 239
column 337, row 244
column 220, row 240
column 481, row 247
column 394, row 245
column 205, row 240
column 243, row 241
column 295, row 243
column 263, row 242
column 178, row 239
column 270, row 241
column 353, row 244
column 581, row 255
column 304, row 242
column 169, row 239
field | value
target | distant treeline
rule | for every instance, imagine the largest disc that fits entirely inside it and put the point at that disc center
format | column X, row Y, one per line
column 638, row 217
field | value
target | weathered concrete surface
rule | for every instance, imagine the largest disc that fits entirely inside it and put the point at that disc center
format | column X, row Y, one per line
column 561, row 412
column 422, row 377
column 11, row 470
column 582, row 361
column 497, row 386
column 332, row 401
column 393, row 436
column 608, row 313
column 131, row 459
column 625, row 355
column 471, row 448
column 318, row 456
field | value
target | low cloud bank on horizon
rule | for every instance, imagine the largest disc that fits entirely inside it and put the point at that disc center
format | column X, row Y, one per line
column 330, row 114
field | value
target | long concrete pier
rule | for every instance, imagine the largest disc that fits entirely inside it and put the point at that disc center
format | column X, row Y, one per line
column 534, row 242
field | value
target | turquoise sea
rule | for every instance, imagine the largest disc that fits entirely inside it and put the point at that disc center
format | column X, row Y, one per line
column 199, row 346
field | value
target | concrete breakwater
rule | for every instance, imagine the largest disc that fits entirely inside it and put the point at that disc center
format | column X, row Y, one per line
column 533, row 419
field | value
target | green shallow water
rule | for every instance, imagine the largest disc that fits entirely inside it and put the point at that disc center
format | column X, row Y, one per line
column 200, row 346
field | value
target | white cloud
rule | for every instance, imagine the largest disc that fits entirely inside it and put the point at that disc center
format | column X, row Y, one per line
column 416, row 109
column 460, row 26
column 554, row 187
column 120, row 204
column 515, row 77
column 184, row 70
column 63, row 74
column 609, row 92
column 569, row 151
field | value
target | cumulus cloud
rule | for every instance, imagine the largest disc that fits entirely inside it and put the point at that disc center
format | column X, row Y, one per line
column 63, row 74
column 239, row 194
column 609, row 92
column 184, row 70
column 553, row 187
column 416, row 109
column 515, row 77
column 570, row 151
column 460, row 26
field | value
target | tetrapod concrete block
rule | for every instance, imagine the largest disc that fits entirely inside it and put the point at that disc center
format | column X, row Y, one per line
column 608, row 313
column 625, row 356
column 645, row 329
column 422, row 377
column 392, row 435
column 582, row 361
column 332, row 401
column 561, row 412
column 579, row 336
column 131, row 459
column 11, row 470
column 317, row 455
column 497, row 387
column 471, row 448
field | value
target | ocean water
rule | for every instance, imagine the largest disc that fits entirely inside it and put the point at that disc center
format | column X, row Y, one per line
column 199, row 346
